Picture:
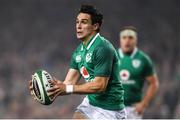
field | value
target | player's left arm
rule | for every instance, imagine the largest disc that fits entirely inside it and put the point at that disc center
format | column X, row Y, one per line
column 102, row 71
column 97, row 85
column 153, row 85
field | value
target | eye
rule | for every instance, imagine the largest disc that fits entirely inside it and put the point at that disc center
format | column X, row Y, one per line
column 77, row 21
column 129, row 37
column 84, row 21
column 124, row 37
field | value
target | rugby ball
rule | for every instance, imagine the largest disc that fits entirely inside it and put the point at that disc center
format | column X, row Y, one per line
column 40, row 85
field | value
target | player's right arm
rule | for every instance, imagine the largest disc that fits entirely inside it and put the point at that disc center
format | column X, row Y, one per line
column 73, row 75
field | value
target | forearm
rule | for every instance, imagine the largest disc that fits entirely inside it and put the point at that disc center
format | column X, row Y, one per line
column 97, row 85
column 151, row 92
column 88, row 88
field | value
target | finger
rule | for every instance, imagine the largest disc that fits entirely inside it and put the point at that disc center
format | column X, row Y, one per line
column 52, row 82
column 54, row 97
column 50, row 94
column 33, row 95
column 60, row 92
column 34, row 98
column 31, row 88
column 53, row 89
column 30, row 82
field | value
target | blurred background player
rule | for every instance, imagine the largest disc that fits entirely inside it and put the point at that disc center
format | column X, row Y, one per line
column 135, row 69
column 97, row 61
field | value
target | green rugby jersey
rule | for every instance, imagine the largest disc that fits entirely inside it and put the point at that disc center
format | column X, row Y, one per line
column 99, row 58
column 133, row 70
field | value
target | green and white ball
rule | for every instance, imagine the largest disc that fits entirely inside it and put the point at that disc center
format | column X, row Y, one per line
column 40, row 84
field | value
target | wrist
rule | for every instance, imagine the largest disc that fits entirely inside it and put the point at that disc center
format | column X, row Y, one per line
column 69, row 88
column 145, row 104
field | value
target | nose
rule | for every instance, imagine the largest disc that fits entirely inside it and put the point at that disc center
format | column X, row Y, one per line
column 78, row 25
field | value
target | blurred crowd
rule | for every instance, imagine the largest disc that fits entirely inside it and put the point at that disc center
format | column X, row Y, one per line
column 40, row 34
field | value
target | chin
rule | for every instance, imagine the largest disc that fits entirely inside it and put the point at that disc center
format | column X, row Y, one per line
column 128, row 50
column 80, row 37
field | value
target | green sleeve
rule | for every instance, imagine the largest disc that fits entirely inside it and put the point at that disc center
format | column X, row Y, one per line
column 149, row 67
column 73, row 63
column 103, row 62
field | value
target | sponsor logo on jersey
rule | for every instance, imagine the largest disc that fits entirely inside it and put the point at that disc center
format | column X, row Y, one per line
column 124, row 75
column 84, row 72
column 78, row 58
column 136, row 63
column 88, row 57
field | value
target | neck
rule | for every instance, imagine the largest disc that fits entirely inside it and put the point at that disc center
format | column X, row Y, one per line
column 88, row 38
column 128, row 52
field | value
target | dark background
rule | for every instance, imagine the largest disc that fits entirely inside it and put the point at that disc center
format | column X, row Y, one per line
column 41, row 34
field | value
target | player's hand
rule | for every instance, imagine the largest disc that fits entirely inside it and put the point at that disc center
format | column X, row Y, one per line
column 140, row 108
column 31, row 90
column 58, row 89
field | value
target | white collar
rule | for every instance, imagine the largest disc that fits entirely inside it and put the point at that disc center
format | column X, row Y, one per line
column 92, row 41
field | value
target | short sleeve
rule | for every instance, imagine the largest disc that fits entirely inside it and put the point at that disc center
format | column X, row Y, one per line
column 103, row 62
column 73, row 63
column 149, row 67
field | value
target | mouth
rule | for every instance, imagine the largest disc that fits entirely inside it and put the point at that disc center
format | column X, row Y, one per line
column 127, row 46
column 79, row 33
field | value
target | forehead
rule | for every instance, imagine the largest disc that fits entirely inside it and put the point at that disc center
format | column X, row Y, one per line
column 81, row 16
column 128, row 33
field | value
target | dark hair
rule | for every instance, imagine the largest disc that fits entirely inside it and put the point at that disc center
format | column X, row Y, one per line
column 96, row 16
column 129, row 28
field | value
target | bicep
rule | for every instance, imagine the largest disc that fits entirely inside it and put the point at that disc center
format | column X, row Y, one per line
column 72, row 76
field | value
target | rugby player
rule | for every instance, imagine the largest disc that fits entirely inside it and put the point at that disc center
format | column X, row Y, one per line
column 135, row 69
column 96, row 60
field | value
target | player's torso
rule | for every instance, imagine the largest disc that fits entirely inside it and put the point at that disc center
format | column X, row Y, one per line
column 85, row 59
column 131, row 70
column 132, row 75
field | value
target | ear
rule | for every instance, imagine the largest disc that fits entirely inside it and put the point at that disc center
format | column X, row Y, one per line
column 95, row 26
column 135, row 41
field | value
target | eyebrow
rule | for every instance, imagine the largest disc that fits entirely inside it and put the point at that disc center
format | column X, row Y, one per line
column 83, row 19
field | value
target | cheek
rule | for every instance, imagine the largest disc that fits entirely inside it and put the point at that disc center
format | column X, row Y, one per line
column 132, row 43
column 123, row 42
column 87, row 28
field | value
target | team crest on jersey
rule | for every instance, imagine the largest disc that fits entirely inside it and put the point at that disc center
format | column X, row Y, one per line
column 78, row 58
column 136, row 63
column 124, row 74
column 88, row 57
column 84, row 72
